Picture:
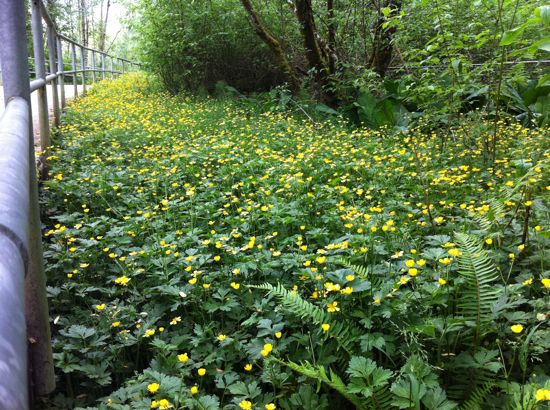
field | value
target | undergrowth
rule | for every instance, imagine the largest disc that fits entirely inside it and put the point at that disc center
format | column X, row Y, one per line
column 203, row 255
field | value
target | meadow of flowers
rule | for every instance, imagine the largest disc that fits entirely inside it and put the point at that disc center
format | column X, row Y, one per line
column 203, row 255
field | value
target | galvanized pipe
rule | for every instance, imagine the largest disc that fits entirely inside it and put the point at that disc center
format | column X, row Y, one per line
column 40, row 82
column 73, row 62
column 52, row 54
column 60, row 70
column 17, row 120
column 14, row 210
column 103, row 66
column 93, row 66
column 83, row 67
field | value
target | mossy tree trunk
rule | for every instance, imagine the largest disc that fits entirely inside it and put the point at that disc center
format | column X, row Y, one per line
column 274, row 45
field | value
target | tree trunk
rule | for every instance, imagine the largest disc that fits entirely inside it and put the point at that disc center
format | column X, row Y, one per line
column 103, row 33
column 83, row 22
column 383, row 48
column 278, row 53
column 314, row 50
column 331, row 37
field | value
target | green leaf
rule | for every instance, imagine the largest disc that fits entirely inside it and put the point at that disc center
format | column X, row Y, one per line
column 436, row 399
column 511, row 36
column 407, row 393
column 544, row 13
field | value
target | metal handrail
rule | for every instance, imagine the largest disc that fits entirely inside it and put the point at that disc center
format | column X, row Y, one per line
column 26, row 364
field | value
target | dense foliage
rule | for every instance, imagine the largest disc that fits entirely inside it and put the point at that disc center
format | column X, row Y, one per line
column 441, row 58
column 202, row 254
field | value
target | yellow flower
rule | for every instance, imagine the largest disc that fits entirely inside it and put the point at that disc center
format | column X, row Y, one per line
column 235, row 285
column 201, row 372
column 528, row 281
column 325, row 327
column 445, row 261
column 248, row 367
column 454, row 252
column 442, row 281
column 521, row 247
column 546, row 282
column 413, row 272
column 149, row 333
column 268, row 347
column 183, row 357
column 194, row 390
column 517, row 328
column 409, row 263
column 175, row 320
column 333, row 307
column 221, row 337
column 542, row 395
column 321, row 259
column 115, row 324
column 350, row 278
column 489, row 241
column 278, row 335
column 100, row 307
column 153, row 388
column 206, row 285
column 162, row 404
column 122, row 280
column 421, row 262
column 245, row 405
column 270, row 406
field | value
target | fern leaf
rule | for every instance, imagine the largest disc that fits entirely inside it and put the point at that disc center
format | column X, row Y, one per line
column 476, row 399
column 320, row 374
column 480, row 275
column 344, row 334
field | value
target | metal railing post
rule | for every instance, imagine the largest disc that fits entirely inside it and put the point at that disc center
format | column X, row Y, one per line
column 53, row 70
column 122, row 62
column 103, row 66
column 112, row 72
column 40, row 64
column 61, row 71
column 73, row 62
column 20, row 233
column 93, row 66
column 83, row 66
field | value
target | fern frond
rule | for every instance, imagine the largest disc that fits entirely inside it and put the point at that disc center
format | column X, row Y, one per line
column 319, row 373
column 476, row 399
column 359, row 270
column 480, row 274
column 344, row 334
column 364, row 273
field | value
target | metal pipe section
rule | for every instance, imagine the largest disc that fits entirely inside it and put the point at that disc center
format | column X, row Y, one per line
column 40, row 82
column 17, row 120
column 53, row 69
column 73, row 63
column 93, row 66
column 14, row 254
column 103, row 66
column 60, row 71
column 83, row 67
